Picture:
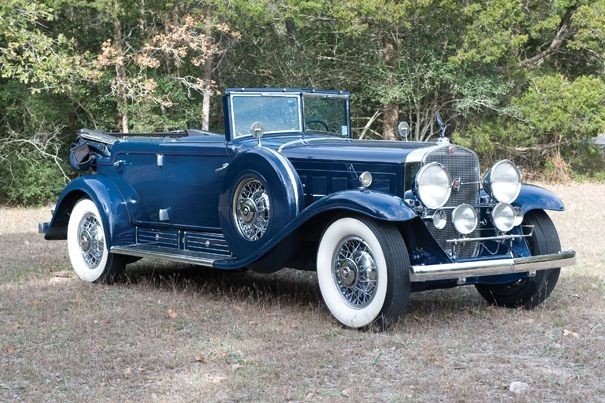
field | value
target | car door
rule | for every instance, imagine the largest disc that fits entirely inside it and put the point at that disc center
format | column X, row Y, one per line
column 192, row 180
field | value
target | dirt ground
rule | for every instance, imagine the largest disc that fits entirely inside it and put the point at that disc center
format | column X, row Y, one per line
column 174, row 332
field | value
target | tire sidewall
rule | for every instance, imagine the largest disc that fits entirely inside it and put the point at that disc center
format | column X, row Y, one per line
column 83, row 271
column 340, row 309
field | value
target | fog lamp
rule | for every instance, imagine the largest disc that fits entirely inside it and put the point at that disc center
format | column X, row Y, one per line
column 503, row 216
column 439, row 219
column 465, row 219
column 518, row 216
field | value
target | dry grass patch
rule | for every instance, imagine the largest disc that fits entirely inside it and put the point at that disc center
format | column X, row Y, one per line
column 170, row 332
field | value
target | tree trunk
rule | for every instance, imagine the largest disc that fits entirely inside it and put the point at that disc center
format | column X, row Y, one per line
column 207, row 93
column 391, row 109
column 208, row 66
column 390, row 120
column 120, row 75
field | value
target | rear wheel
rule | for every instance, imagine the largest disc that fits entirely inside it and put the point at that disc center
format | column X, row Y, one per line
column 529, row 292
column 87, row 246
column 363, row 272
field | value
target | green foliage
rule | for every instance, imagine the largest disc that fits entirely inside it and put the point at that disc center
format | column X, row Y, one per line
column 555, row 110
column 553, row 121
column 523, row 80
column 30, row 182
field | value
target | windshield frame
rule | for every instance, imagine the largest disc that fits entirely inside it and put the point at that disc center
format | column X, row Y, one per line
column 266, row 94
column 346, row 111
column 293, row 93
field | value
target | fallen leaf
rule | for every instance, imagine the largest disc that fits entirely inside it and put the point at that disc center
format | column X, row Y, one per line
column 201, row 358
column 171, row 314
column 570, row 333
column 10, row 349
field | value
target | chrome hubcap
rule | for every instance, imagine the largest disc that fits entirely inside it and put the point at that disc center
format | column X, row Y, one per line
column 251, row 209
column 355, row 272
column 247, row 211
column 92, row 241
column 347, row 272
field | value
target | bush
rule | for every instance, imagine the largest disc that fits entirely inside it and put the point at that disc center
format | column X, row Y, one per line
column 30, row 182
column 548, row 128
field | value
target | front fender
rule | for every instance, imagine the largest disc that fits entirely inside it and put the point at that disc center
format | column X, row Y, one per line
column 376, row 205
column 534, row 197
column 112, row 206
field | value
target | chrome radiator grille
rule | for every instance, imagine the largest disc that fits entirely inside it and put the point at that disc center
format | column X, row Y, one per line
column 462, row 164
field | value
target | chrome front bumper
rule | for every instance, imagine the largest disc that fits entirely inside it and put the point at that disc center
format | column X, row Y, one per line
column 460, row 271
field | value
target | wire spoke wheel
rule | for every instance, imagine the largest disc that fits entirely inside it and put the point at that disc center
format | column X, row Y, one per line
column 91, row 240
column 251, row 209
column 363, row 272
column 355, row 272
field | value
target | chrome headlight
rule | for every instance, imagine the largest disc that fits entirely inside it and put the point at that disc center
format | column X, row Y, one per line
column 503, row 181
column 433, row 185
column 465, row 219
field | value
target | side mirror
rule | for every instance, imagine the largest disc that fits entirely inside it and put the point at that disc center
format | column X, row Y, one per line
column 403, row 129
column 256, row 129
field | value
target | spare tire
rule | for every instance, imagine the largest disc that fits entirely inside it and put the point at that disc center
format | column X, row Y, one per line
column 261, row 194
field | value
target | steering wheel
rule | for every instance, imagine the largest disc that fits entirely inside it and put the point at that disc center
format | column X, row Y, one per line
column 321, row 122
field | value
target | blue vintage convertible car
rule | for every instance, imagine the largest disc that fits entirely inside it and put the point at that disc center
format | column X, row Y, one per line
column 287, row 186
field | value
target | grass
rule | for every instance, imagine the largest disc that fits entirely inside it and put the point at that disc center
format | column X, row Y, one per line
column 174, row 332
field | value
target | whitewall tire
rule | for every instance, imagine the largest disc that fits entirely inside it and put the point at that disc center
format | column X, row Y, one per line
column 87, row 245
column 363, row 272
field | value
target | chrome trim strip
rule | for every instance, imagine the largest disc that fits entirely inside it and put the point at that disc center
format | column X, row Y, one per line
column 291, row 174
column 419, row 154
column 461, row 270
column 307, row 141
column 174, row 255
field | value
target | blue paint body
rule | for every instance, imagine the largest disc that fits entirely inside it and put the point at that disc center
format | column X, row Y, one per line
column 312, row 176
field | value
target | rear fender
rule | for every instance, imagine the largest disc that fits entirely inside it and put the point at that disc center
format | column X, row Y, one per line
column 534, row 197
column 113, row 207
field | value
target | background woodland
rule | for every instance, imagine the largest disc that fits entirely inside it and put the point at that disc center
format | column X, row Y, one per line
column 514, row 79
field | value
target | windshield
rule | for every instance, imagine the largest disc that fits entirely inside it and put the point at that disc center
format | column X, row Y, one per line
column 326, row 114
column 277, row 113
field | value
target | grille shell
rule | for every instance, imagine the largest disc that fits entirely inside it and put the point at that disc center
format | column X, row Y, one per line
column 462, row 164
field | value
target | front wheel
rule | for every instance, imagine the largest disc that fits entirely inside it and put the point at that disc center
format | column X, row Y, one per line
column 529, row 292
column 363, row 272
column 87, row 246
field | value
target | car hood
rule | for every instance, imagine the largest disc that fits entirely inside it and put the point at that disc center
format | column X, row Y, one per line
column 340, row 149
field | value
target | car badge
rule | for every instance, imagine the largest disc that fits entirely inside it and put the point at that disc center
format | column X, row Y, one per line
column 451, row 149
column 456, row 183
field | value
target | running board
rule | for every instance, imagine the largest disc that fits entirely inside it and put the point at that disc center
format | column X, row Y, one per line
column 174, row 255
